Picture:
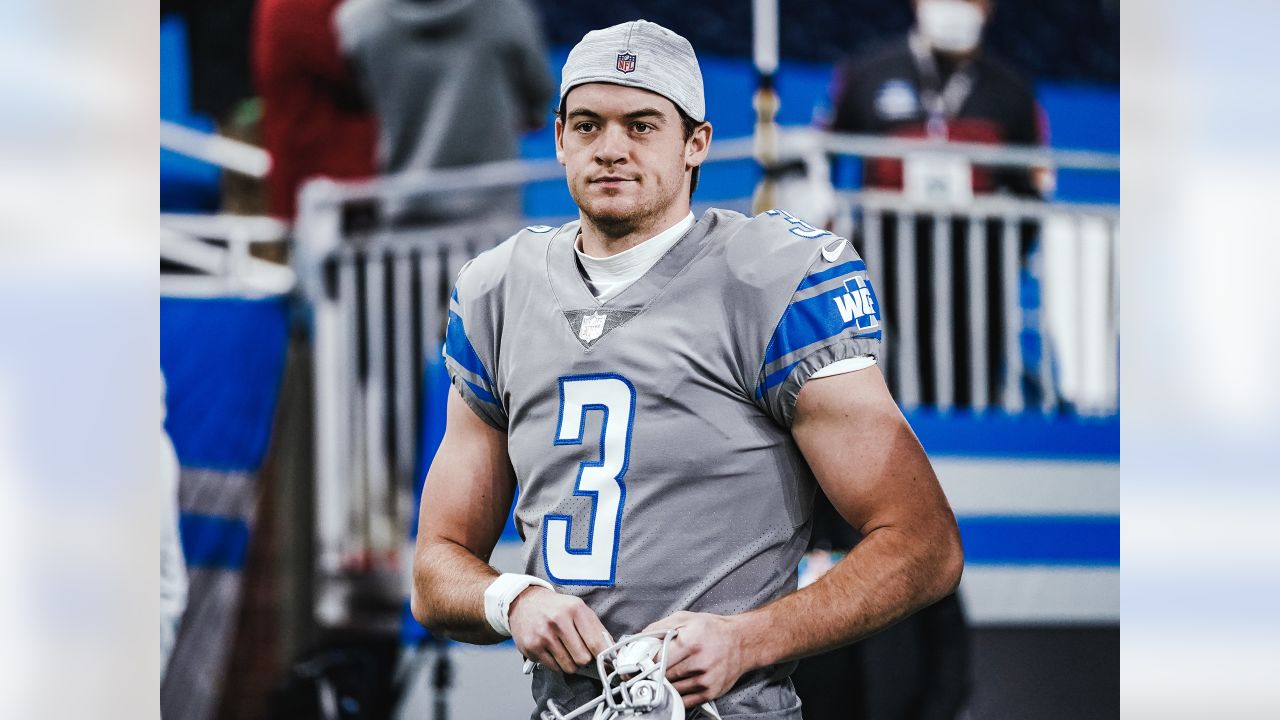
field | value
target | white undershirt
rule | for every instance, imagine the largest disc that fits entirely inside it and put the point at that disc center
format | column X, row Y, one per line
column 611, row 275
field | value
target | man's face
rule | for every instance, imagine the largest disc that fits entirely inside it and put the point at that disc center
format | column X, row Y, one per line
column 625, row 155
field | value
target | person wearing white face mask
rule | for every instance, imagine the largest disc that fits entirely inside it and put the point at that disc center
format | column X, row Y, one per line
column 940, row 82
column 952, row 26
column 937, row 82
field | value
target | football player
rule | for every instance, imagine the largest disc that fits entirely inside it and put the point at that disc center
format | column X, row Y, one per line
column 666, row 390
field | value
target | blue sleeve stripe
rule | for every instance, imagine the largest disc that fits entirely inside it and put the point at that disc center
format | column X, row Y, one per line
column 454, row 295
column 806, row 322
column 481, row 393
column 458, row 347
column 835, row 272
column 774, row 378
column 777, row 376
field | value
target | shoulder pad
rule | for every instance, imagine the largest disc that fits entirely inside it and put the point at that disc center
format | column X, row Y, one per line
column 791, row 224
column 776, row 244
column 487, row 270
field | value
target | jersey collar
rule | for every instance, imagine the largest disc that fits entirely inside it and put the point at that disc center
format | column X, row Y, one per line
column 571, row 288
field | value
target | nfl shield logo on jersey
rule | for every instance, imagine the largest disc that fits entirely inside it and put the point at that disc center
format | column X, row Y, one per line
column 592, row 327
column 626, row 62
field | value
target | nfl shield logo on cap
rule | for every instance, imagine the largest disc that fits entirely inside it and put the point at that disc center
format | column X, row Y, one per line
column 626, row 62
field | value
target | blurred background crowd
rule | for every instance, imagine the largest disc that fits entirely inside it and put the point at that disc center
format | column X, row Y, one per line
column 326, row 168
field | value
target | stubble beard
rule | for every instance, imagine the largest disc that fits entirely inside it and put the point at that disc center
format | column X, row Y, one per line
column 621, row 223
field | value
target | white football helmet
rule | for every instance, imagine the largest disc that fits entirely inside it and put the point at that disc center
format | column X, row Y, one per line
column 633, row 672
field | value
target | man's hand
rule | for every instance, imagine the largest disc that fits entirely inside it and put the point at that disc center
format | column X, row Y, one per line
column 556, row 631
column 706, row 658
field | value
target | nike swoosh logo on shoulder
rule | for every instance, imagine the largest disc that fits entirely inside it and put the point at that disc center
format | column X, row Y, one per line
column 833, row 255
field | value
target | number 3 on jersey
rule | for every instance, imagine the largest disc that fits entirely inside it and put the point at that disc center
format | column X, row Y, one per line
column 600, row 479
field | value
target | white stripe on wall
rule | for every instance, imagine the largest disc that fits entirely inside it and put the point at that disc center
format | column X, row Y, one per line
column 1030, row 487
column 1012, row 595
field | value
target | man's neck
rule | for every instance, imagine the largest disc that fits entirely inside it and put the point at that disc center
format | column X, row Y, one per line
column 598, row 242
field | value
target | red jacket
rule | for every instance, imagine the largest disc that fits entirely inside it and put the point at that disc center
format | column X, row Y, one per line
column 313, row 120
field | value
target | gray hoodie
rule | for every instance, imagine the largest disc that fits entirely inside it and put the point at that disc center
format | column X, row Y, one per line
column 453, row 82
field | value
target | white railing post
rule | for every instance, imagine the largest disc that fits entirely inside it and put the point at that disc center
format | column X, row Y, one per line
column 976, row 260
column 1013, row 398
column 405, row 364
column 1097, row 326
column 908, row 356
column 943, row 347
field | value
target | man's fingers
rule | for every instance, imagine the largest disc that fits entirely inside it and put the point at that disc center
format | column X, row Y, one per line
column 576, row 646
column 551, row 654
column 681, row 669
column 563, row 661
column 694, row 700
column 693, row 684
column 560, row 631
column 593, row 632
column 692, row 691
column 677, row 655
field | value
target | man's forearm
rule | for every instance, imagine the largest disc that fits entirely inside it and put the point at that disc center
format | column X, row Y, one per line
column 448, row 592
column 887, row 576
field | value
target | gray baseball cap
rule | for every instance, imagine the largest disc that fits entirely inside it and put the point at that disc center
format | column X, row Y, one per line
column 638, row 54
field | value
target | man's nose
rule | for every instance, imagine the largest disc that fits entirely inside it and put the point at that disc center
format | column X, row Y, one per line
column 612, row 145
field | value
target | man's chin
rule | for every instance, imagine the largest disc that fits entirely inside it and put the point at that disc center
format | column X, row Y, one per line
column 614, row 221
column 611, row 212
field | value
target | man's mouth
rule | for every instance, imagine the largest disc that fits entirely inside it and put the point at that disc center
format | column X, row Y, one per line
column 611, row 180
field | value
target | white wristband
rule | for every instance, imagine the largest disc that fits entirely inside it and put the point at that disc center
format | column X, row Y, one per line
column 500, row 594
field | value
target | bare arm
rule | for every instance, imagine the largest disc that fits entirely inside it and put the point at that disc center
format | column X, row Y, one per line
column 464, row 507
column 869, row 463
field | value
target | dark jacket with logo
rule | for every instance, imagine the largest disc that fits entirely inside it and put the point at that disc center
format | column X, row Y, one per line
column 879, row 94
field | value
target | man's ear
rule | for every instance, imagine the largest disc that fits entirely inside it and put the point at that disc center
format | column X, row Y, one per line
column 559, row 140
column 698, row 145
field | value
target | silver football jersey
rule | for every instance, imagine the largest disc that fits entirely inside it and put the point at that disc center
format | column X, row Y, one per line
column 650, row 433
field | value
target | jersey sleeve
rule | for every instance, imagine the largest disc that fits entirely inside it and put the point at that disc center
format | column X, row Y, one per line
column 830, row 313
column 470, row 339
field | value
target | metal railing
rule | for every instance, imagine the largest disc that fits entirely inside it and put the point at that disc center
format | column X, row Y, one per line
column 225, row 152
column 379, row 304
column 231, row 270
column 379, row 313
column 985, row 245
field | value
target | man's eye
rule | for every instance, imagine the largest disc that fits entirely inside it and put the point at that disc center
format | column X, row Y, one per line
column 641, row 127
column 586, row 127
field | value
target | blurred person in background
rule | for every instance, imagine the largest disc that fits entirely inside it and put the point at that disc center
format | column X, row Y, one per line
column 453, row 83
column 314, row 121
column 939, row 83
